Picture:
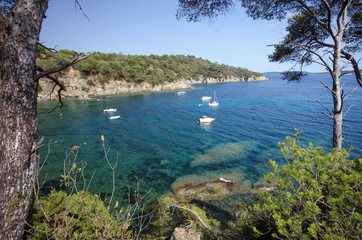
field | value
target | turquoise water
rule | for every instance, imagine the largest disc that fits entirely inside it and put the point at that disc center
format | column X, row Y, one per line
column 159, row 141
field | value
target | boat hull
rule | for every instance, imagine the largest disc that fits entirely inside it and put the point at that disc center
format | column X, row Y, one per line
column 206, row 120
column 114, row 117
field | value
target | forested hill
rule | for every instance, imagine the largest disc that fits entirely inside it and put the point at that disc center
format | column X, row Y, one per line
column 103, row 68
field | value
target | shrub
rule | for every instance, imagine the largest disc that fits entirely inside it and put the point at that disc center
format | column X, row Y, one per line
column 169, row 214
column 86, row 89
column 316, row 195
column 79, row 216
column 74, row 213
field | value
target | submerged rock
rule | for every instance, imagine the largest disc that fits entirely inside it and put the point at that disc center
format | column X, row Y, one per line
column 224, row 153
column 211, row 190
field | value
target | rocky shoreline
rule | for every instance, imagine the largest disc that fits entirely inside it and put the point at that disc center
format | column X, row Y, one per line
column 78, row 88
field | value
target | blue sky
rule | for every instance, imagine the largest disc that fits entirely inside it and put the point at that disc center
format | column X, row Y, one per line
column 145, row 27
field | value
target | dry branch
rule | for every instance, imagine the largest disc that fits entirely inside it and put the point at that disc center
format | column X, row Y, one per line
column 330, row 113
column 195, row 214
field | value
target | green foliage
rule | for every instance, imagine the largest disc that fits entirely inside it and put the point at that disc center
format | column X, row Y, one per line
column 196, row 10
column 73, row 213
column 166, row 218
column 40, row 88
column 251, row 222
column 139, row 68
column 316, row 196
column 79, row 216
column 311, row 24
column 86, row 89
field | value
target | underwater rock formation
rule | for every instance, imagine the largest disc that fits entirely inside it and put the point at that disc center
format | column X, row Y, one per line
column 211, row 190
column 224, row 153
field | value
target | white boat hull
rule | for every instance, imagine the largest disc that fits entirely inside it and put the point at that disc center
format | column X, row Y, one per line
column 205, row 98
column 214, row 104
column 205, row 120
column 110, row 110
column 114, row 117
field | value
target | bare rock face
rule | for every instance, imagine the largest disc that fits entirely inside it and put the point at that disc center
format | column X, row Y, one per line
column 80, row 88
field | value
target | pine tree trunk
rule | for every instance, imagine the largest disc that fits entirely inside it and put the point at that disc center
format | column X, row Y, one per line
column 337, row 131
column 18, row 113
column 336, row 93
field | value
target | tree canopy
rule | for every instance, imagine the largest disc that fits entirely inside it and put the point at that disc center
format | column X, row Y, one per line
column 313, row 30
column 324, row 32
column 141, row 68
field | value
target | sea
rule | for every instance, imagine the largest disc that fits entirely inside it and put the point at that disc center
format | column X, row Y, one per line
column 157, row 140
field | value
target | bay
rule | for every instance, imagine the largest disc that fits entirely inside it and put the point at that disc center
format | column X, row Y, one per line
column 157, row 139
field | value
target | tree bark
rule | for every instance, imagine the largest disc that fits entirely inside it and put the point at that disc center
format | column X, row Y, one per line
column 337, row 103
column 19, row 33
column 336, row 75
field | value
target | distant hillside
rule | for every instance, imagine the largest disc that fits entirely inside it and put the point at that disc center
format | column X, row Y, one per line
column 316, row 73
column 110, row 70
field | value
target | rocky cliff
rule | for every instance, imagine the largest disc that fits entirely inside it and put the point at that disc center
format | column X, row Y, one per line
column 82, row 89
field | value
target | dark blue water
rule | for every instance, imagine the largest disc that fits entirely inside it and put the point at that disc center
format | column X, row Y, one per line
column 159, row 141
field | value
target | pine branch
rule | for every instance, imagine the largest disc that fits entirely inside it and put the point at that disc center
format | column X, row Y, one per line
column 356, row 70
column 60, row 67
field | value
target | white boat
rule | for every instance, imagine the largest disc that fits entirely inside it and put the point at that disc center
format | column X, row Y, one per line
column 205, row 119
column 114, row 117
column 110, row 110
column 181, row 92
column 206, row 98
column 215, row 102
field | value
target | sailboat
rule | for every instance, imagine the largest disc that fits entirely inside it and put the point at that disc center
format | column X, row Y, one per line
column 215, row 102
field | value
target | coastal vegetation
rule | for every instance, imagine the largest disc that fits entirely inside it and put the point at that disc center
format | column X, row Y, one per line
column 154, row 69
column 313, row 195
column 316, row 195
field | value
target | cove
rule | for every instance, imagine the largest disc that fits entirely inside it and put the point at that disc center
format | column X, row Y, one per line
column 158, row 140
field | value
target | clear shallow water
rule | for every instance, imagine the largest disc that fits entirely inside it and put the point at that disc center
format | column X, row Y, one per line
column 158, row 140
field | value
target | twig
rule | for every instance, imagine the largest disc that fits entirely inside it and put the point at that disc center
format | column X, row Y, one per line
column 81, row 9
column 344, row 115
column 345, row 97
column 333, row 92
column 330, row 113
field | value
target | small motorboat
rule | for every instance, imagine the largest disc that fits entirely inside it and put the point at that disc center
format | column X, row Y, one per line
column 205, row 119
column 113, row 117
column 181, row 93
column 110, row 110
column 206, row 98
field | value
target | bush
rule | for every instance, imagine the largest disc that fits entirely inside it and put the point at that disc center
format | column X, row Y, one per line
column 316, row 196
column 86, row 89
column 74, row 213
column 140, row 68
column 169, row 214
column 79, row 216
